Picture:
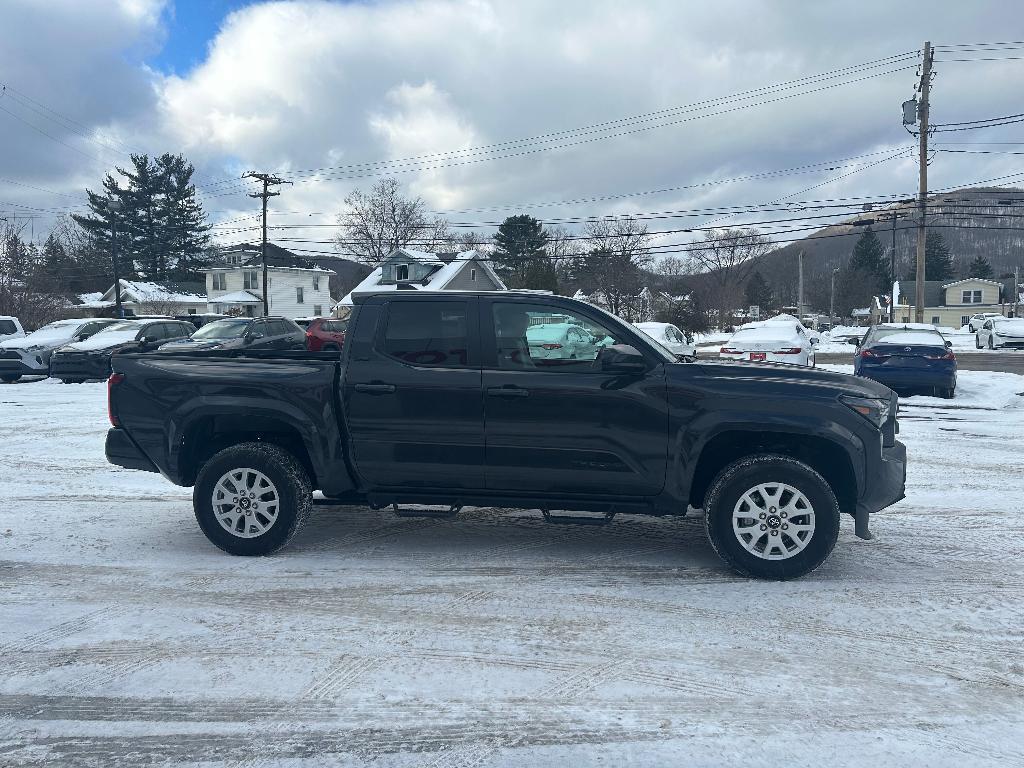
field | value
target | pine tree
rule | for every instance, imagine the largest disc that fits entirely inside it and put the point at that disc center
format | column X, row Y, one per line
column 938, row 263
column 186, row 233
column 868, row 260
column 979, row 267
column 759, row 293
column 520, row 243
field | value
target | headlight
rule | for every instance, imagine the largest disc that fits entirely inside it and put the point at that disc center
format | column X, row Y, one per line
column 875, row 411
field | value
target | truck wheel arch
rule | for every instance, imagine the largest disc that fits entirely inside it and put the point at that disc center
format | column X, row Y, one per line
column 829, row 458
column 208, row 435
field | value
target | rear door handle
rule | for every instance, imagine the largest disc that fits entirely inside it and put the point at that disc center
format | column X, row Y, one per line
column 508, row 391
column 376, row 389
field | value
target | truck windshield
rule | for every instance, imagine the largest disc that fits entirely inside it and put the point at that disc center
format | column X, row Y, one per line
column 222, row 329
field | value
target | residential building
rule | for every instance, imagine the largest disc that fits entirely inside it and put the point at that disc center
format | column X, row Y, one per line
column 295, row 286
column 950, row 303
column 406, row 269
column 149, row 298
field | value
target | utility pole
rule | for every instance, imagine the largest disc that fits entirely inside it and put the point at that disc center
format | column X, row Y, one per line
column 922, row 202
column 268, row 180
column 113, row 206
column 832, row 298
column 800, row 285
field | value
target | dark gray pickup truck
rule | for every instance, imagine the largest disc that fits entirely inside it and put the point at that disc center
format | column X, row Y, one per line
column 455, row 399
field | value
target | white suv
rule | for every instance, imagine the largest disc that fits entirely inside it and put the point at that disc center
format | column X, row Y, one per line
column 979, row 319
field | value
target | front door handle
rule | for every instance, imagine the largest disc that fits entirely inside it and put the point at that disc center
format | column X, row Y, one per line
column 376, row 389
column 508, row 391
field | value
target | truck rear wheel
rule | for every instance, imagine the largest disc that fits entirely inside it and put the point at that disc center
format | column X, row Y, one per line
column 252, row 498
column 771, row 517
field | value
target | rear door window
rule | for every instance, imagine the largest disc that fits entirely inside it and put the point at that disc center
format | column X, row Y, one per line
column 7, row 327
column 428, row 334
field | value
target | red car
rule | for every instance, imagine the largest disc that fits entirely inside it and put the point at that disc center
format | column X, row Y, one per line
column 324, row 334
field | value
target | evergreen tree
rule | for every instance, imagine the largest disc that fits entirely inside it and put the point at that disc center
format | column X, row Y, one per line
column 979, row 267
column 868, row 260
column 520, row 243
column 938, row 263
column 759, row 293
column 187, row 238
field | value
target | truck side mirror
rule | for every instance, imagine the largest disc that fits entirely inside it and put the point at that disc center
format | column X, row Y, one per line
column 855, row 341
column 621, row 358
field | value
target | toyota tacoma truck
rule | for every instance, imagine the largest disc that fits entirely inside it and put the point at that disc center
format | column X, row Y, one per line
column 441, row 400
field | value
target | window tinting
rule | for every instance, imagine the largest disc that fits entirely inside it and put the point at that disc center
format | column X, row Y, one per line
column 430, row 334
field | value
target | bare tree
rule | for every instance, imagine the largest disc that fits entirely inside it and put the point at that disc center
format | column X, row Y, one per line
column 672, row 266
column 618, row 250
column 382, row 221
column 21, row 292
column 728, row 257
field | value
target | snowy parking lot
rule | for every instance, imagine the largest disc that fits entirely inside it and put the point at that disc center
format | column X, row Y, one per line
column 495, row 639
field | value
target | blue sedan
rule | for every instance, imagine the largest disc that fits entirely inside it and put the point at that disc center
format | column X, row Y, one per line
column 909, row 358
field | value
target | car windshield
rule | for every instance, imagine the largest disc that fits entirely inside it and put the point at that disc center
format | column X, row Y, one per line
column 222, row 329
column 122, row 326
column 60, row 329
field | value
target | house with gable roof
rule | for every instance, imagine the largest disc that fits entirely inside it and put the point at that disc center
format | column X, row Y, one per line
column 407, row 269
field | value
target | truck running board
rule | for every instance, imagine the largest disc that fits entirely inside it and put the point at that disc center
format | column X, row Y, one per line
column 425, row 511
column 577, row 519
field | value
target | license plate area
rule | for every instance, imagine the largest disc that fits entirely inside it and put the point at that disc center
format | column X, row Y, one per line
column 758, row 357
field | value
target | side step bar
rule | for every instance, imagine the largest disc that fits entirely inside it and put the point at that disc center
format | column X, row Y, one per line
column 577, row 519
column 440, row 513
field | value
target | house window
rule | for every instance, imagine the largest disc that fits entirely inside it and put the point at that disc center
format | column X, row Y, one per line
column 318, row 309
column 299, row 299
column 970, row 297
column 964, row 320
column 316, row 282
column 906, row 318
column 472, row 274
column 250, row 280
column 219, row 281
column 935, row 319
column 401, row 272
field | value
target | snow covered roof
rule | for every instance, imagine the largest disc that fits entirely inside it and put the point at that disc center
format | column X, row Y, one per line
column 138, row 291
column 421, row 257
column 972, row 280
column 435, row 281
column 238, row 297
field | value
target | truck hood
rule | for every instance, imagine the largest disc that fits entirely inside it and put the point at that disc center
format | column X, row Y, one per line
column 776, row 374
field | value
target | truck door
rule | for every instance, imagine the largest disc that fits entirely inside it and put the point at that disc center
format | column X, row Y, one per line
column 555, row 422
column 412, row 394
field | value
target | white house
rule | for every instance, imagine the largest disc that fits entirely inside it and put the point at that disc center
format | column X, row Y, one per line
column 295, row 287
column 148, row 298
column 407, row 269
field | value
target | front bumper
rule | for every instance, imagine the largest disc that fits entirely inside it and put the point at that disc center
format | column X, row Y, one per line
column 123, row 452
column 79, row 365
column 27, row 364
column 887, row 484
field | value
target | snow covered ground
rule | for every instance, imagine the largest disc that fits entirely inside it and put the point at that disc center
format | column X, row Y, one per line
column 496, row 640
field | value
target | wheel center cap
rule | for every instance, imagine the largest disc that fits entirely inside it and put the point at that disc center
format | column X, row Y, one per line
column 244, row 503
column 773, row 521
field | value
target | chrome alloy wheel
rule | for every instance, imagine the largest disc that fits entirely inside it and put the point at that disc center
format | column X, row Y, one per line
column 245, row 503
column 773, row 521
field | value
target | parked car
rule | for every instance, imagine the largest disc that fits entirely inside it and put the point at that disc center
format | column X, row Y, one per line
column 562, row 341
column 324, row 334
column 10, row 328
column 770, row 343
column 674, row 340
column 978, row 320
column 907, row 358
column 242, row 332
column 772, row 454
column 90, row 359
column 30, row 355
column 199, row 320
column 1000, row 332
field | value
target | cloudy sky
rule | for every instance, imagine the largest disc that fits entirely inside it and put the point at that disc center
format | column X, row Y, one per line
column 484, row 108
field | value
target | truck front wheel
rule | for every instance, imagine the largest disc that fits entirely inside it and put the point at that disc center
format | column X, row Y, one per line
column 771, row 517
column 252, row 498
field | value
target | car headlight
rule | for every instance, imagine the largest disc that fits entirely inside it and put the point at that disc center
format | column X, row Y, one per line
column 874, row 410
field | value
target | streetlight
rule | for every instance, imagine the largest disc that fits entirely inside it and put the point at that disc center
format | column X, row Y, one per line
column 113, row 206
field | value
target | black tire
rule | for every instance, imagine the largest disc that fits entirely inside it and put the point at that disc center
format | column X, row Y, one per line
column 977, row 342
column 10, row 379
column 290, row 480
column 742, row 475
column 330, row 348
column 947, row 392
column 990, row 344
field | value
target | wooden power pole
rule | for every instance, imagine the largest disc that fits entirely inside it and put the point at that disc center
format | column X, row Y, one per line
column 922, row 202
column 268, row 180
